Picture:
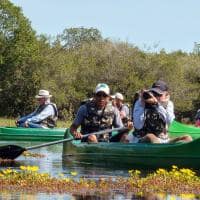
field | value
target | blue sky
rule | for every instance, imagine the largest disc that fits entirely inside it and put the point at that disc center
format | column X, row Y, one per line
column 170, row 24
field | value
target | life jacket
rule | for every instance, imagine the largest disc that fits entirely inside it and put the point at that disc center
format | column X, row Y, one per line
column 96, row 120
column 51, row 120
column 154, row 121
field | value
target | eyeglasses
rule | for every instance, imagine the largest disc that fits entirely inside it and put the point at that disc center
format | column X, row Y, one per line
column 101, row 95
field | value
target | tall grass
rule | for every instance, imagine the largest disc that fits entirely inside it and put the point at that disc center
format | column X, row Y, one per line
column 7, row 121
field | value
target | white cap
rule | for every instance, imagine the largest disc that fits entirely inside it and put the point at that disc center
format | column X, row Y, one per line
column 112, row 96
column 119, row 96
column 102, row 87
column 43, row 94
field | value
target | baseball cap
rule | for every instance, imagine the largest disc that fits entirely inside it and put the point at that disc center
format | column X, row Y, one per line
column 102, row 87
column 159, row 87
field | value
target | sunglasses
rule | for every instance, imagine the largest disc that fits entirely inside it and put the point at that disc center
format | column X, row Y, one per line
column 101, row 95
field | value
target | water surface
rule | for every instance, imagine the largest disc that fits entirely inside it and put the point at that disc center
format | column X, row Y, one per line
column 53, row 164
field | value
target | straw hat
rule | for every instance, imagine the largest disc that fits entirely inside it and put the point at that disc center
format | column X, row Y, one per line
column 43, row 94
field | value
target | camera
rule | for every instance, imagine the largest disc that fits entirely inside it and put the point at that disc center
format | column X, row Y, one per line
column 149, row 101
column 147, row 95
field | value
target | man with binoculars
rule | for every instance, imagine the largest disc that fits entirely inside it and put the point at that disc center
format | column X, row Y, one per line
column 153, row 113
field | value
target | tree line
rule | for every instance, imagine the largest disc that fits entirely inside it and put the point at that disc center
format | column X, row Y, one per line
column 70, row 65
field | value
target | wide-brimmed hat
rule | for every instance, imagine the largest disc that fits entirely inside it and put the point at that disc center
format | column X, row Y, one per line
column 43, row 94
column 102, row 87
column 159, row 87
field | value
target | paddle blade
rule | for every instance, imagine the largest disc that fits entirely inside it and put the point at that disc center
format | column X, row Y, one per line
column 11, row 151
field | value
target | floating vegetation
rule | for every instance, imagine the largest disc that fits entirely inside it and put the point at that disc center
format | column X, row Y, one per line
column 175, row 181
column 30, row 154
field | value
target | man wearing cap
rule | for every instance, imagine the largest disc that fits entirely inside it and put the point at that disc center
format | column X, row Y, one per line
column 44, row 116
column 153, row 113
column 96, row 115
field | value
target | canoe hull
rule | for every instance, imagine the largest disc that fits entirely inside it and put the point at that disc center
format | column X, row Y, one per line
column 31, row 134
column 131, row 162
column 177, row 129
column 134, row 155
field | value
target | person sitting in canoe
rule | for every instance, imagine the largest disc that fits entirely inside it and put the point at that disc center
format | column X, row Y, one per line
column 123, row 108
column 44, row 116
column 112, row 100
column 96, row 115
column 153, row 113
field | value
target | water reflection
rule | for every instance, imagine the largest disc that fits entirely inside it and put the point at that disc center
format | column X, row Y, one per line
column 129, row 196
column 53, row 164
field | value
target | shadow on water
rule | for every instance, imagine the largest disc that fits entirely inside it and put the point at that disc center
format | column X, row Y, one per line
column 131, row 196
column 96, row 169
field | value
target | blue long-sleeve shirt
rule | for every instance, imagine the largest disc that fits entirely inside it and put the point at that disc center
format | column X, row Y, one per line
column 35, row 117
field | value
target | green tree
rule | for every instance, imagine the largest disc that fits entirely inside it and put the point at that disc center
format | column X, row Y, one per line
column 19, row 78
column 74, row 37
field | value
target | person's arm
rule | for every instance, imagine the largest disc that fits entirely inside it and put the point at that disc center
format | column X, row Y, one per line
column 138, row 115
column 74, row 132
column 125, row 109
column 170, row 112
column 23, row 119
column 47, row 112
column 77, row 121
column 117, row 122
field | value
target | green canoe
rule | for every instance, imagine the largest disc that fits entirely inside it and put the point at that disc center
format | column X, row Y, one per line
column 31, row 134
column 133, row 155
column 37, row 134
column 178, row 129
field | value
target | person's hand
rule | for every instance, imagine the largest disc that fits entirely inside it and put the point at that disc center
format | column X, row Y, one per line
column 130, row 125
column 148, row 98
column 16, row 123
column 74, row 132
column 122, row 114
column 152, row 100
column 26, row 124
column 77, row 135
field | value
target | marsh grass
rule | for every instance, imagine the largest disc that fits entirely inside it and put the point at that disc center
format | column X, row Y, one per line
column 11, row 122
column 7, row 121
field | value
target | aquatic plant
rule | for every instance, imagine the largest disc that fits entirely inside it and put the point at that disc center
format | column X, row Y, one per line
column 30, row 154
column 174, row 181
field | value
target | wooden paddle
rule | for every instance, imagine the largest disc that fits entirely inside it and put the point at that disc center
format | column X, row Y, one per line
column 13, row 151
